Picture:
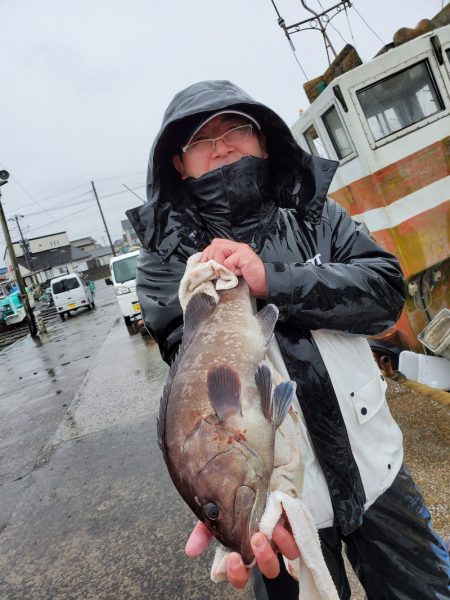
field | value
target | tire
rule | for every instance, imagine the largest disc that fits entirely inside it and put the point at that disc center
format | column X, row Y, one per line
column 62, row 316
column 127, row 321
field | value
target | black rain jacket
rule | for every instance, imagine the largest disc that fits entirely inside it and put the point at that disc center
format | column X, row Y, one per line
column 322, row 271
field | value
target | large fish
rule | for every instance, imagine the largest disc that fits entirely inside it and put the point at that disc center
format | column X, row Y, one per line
column 219, row 413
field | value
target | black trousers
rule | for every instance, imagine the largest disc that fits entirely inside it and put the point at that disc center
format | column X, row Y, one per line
column 395, row 553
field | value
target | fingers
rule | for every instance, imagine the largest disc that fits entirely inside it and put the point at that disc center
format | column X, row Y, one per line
column 237, row 572
column 285, row 542
column 220, row 249
column 265, row 556
column 198, row 540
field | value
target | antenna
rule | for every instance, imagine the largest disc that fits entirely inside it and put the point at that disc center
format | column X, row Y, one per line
column 318, row 22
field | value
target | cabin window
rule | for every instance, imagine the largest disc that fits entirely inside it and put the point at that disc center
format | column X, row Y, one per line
column 314, row 142
column 337, row 133
column 400, row 100
column 447, row 52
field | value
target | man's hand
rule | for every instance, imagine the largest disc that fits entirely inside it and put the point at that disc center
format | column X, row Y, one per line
column 242, row 261
column 266, row 558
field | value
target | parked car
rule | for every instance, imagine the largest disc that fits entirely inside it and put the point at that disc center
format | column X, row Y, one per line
column 70, row 292
column 123, row 274
column 48, row 294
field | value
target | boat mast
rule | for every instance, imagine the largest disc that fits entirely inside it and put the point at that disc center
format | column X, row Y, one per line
column 318, row 22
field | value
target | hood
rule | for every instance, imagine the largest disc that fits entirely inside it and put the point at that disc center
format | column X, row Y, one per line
column 300, row 180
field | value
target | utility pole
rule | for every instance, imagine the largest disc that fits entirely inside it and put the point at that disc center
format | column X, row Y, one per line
column 25, row 246
column 4, row 175
column 103, row 218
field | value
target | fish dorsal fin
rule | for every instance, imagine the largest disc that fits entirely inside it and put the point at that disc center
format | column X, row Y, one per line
column 267, row 318
column 224, row 390
column 263, row 379
column 274, row 405
column 199, row 307
column 283, row 395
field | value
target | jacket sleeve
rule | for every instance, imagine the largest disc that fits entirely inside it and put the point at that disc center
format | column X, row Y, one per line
column 157, row 286
column 360, row 291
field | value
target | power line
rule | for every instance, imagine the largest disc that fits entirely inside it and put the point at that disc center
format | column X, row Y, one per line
column 89, row 191
column 62, row 218
column 137, row 187
column 281, row 23
column 350, row 27
column 61, row 207
column 29, row 195
column 374, row 32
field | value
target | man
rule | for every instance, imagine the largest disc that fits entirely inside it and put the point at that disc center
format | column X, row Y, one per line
column 227, row 178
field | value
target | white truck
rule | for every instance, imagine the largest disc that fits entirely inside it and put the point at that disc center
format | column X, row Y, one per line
column 123, row 274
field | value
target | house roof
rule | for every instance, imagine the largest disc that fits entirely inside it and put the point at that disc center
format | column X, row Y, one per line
column 55, row 257
column 83, row 241
column 102, row 251
column 78, row 254
column 47, row 258
column 40, row 237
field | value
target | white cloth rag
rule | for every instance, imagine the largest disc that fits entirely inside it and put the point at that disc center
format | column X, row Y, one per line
column 199, row 277
column 287, row 478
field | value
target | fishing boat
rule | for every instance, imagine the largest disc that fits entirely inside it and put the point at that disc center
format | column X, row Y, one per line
column 387, row 122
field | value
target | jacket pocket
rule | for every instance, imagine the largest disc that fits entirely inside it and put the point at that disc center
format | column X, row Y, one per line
column 369, row 398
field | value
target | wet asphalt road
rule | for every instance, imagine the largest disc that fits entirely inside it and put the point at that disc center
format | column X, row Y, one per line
column 87, row 509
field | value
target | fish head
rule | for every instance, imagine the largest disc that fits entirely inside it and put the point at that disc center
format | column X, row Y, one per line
column 229, row 488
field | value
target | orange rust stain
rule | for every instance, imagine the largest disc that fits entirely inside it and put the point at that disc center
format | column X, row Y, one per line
column 396, row 180
column 419, row 242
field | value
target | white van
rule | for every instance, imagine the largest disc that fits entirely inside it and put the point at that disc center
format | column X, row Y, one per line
column 123, row 273
column 70, row 292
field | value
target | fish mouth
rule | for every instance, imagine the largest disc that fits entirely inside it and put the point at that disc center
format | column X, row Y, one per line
column 245, row 521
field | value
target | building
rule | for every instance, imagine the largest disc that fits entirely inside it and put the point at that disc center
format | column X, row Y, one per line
column 129, row 235
column 52, row 255
column 99, row 257
column 85, row 244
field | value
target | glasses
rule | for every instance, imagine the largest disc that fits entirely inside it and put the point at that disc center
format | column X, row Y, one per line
column 234, row 136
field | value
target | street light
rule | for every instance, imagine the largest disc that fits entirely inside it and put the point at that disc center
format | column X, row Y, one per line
column 4, row 176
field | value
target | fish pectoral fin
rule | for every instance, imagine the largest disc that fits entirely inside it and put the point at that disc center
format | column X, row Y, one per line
column 224, row 391
column 283, row 395
column 275, row 406
column 263, row 380
column 267, row 318
column 198, row 309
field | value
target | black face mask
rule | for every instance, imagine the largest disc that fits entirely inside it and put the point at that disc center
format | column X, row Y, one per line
column 234, row 199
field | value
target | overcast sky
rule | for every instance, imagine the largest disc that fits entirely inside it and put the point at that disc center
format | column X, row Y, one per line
column 84, row 84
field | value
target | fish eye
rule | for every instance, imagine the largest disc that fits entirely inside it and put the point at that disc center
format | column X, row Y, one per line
column 211, row 511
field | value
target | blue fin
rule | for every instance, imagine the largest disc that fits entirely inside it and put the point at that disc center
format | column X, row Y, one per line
column 275, row 406
column 282, row 399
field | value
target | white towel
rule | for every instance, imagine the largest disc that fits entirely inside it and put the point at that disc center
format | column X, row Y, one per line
column 287, row 478
column 198, row 278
